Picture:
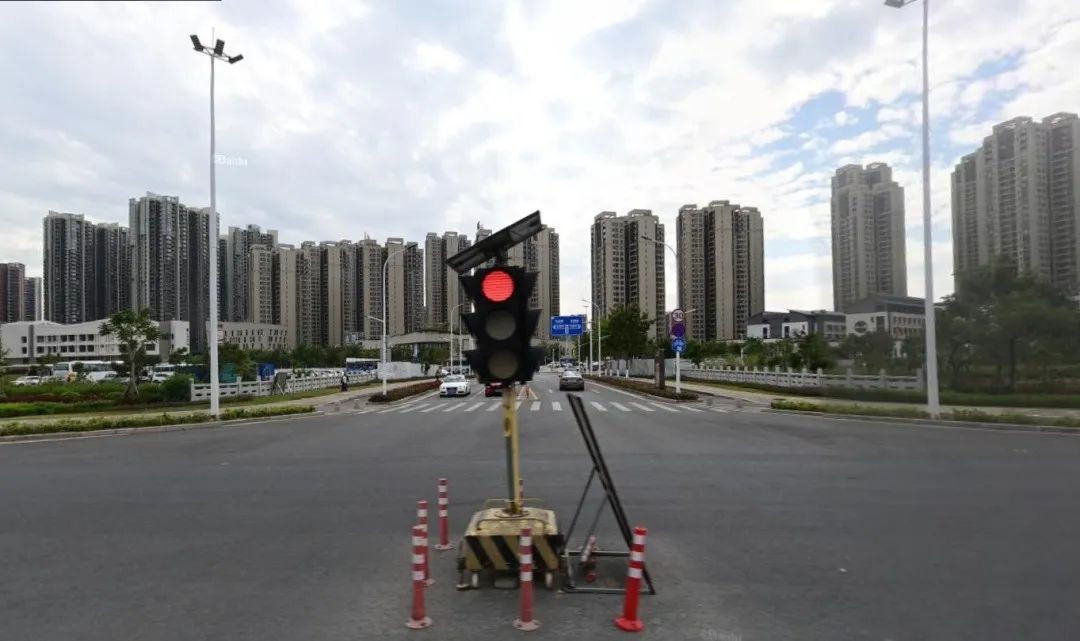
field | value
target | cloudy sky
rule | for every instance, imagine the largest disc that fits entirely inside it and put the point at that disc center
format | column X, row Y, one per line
column 396, row 118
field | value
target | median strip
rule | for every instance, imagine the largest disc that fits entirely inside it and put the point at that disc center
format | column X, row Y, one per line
column 1058, row 423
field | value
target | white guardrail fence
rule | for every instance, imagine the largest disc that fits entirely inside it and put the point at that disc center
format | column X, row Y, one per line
column 789, row 378
column 201, row 391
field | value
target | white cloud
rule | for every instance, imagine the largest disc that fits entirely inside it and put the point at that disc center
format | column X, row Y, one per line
column 432, row 56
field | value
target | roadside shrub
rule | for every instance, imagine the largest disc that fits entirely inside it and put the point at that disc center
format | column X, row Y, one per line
column 645, row 387
column 39, row 408
column 177, row 388
column 404, row 391
column 146, row 420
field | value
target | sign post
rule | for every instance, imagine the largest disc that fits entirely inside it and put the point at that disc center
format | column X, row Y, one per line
column 678, row 344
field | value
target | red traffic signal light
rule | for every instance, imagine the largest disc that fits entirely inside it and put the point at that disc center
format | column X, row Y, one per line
column 497, row 286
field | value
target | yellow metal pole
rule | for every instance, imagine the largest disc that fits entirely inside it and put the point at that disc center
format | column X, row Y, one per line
column 510, row 434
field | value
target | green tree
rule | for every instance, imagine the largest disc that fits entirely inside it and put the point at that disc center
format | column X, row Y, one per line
column 815, row 353
column 179, row 356
column 3, row 370
column 626, row 332
column 133, row 330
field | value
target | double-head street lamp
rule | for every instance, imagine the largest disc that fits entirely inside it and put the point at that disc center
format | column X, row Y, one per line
column 930, row 324
column 215, row 54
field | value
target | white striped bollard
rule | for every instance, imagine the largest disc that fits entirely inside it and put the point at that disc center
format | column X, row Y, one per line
column 422, row 521
column 629, row 620
column 526, row 621
column 418, row 619
column 444, row 518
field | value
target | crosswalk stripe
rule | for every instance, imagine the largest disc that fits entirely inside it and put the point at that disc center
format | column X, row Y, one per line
column 600, row 407
column 664, row 407
column 691, row 409
column 454, row 407
column 620, row 406
column 517, row 406
column 476, row 406
column 536, row 406
column 406, row 410
column 556, row 405
column 432, row 408
column 494, row 406
column 643, row 407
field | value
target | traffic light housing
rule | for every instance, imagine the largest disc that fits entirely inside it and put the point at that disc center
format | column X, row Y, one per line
column 502, row 324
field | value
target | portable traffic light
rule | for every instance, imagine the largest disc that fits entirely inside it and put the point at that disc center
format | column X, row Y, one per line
column 502, row 324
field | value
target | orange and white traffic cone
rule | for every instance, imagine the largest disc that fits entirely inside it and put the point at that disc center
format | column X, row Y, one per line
column 629, row 620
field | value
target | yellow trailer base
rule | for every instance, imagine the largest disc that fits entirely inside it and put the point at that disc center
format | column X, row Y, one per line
column 491, row 542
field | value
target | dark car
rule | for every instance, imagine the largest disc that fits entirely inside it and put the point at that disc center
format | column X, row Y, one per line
column 571, row 380
column 494, row 388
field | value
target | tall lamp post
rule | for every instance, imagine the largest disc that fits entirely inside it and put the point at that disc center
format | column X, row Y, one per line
column 933, row 404
column 215, row 54
column 599, row 338
column 453, row 337
column 385, row 350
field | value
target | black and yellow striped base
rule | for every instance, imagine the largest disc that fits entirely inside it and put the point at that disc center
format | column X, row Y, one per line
column 491, row 540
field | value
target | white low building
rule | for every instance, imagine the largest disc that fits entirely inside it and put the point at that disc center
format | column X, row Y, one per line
column 899, row 316
column 28, row 341
column 260, row 336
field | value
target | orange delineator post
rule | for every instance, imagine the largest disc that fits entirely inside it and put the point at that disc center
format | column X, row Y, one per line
column 422, row 521
column 526, row 621
column 418, row 619
column 629, row 620
column 444, row 518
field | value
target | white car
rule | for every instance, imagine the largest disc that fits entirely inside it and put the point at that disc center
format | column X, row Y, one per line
column 23, row 381
column 454, row 385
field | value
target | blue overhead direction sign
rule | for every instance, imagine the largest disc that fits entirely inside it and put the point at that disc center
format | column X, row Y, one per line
column 568, row 325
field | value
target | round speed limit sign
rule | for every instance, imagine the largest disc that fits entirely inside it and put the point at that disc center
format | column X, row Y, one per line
column 677, row 316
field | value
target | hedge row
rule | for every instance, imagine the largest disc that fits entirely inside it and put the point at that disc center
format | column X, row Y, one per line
column 645, row 387
column 973, row 416
column 948, row 397
column 404, row 391
column 147, row 420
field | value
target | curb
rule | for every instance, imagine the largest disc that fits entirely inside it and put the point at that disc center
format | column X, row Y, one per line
column 152, row 429
column 925, row 422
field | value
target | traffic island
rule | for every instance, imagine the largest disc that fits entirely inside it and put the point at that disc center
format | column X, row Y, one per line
column 644, row 387
column 957, row 417
column 405, row 391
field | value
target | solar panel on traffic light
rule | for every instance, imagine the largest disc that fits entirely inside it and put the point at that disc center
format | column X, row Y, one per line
column 502, row 324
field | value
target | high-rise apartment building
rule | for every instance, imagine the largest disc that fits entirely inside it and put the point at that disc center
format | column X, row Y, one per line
column 868, row 245
column 259, row 269
column 369, row 289
column 12, row 293
column 69, row 268
column 628, row 264
column 170, row 261
column 1018, row 198
column 33, row 300
column 442, row 287
column 112, row 265
column 238, row 243
column 405, row 287
column 721, row 268
column 540, row 253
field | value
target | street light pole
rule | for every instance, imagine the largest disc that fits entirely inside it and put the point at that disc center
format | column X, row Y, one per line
column 933, row 403
column 385, row 331
column 217, row 53
column 453, row 337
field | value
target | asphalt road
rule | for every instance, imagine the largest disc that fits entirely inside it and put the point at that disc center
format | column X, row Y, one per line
column 762, row 526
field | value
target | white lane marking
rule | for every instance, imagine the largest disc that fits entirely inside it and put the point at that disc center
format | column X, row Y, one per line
column 556, row 405
column 432, row 408
column 473, row 407
column 494, row 406
column 620, row 406
column 599, row 406
column 406, row 410
column 454, row 407
column 517, row 406
column 664, row 407
column 690, row 409
column 643, row 407
column 720, row 409
column 536, row 406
